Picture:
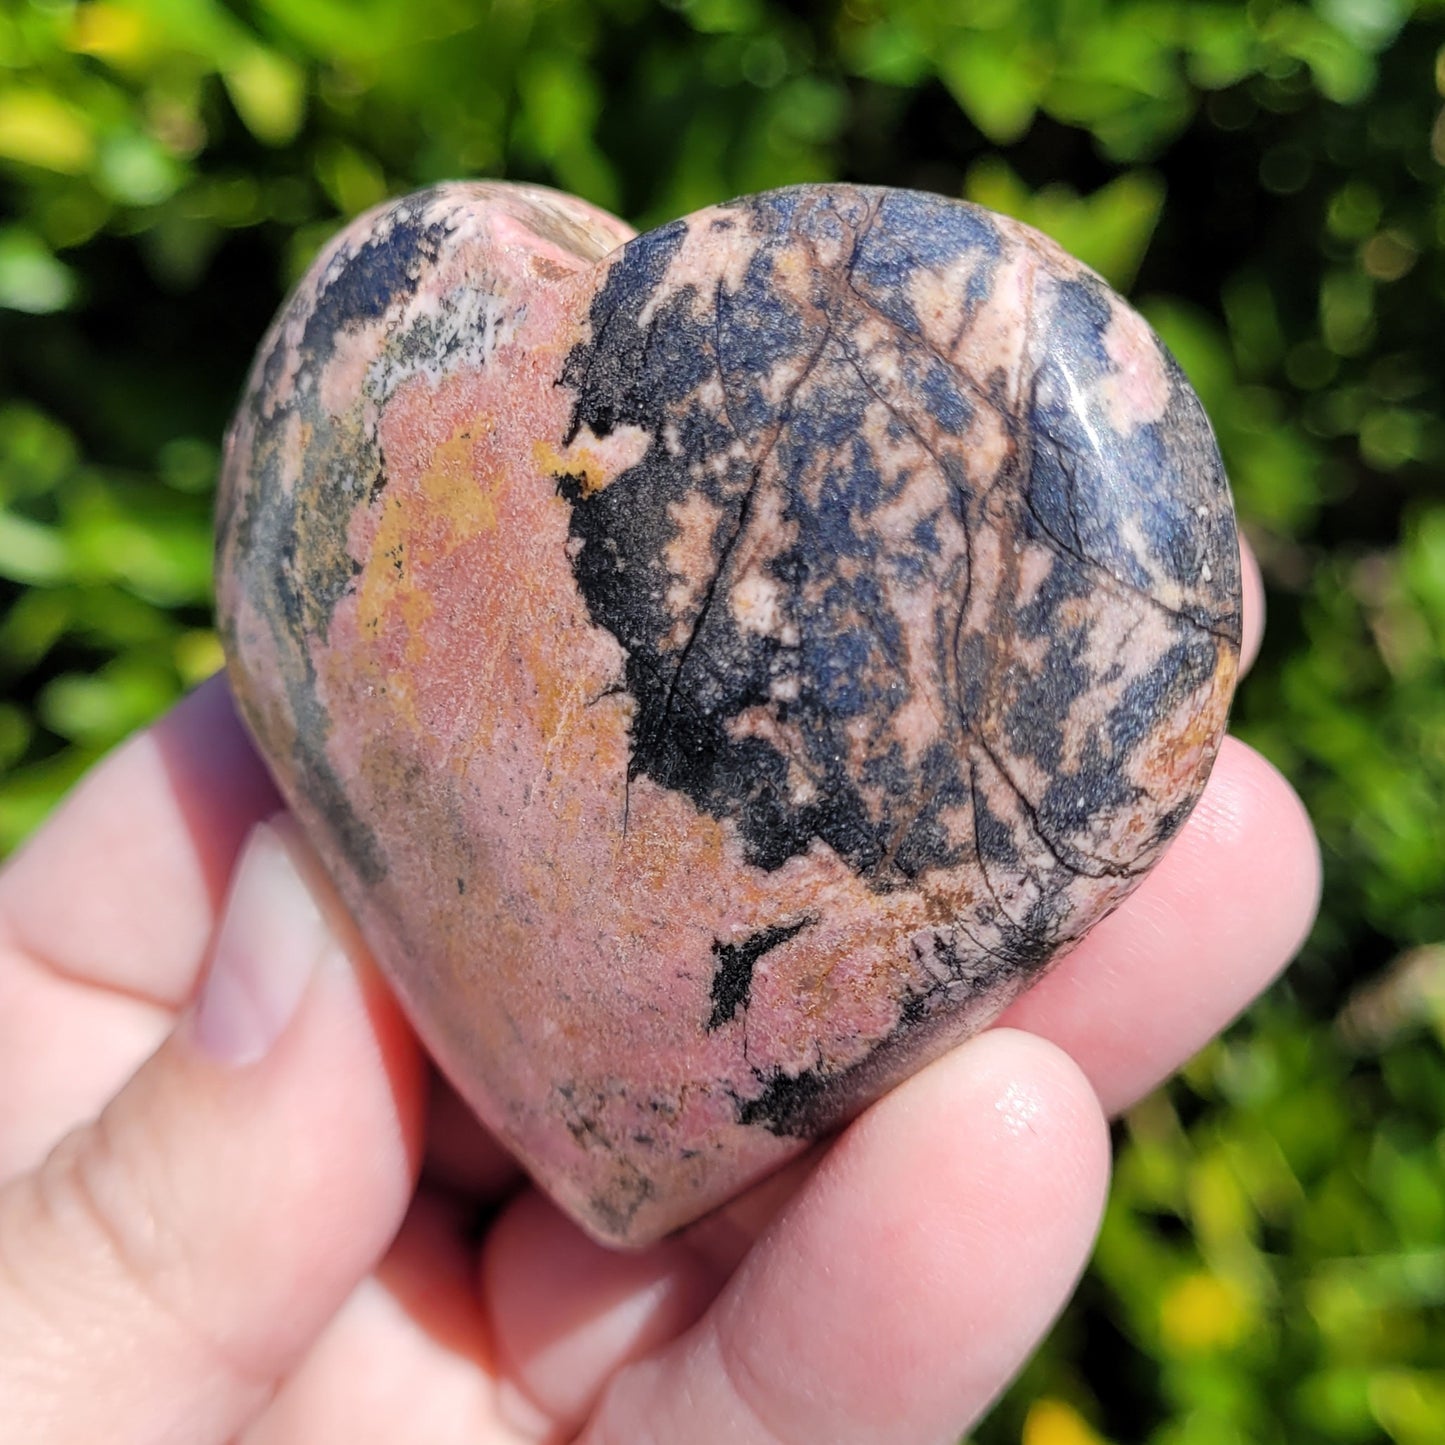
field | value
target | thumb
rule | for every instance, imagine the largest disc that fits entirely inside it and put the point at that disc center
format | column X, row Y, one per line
column 170, row 1262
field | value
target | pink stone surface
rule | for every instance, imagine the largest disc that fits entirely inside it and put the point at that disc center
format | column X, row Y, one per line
column 719, row 670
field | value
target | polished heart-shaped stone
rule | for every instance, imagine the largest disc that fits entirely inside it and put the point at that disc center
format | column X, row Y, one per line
column 720, row 668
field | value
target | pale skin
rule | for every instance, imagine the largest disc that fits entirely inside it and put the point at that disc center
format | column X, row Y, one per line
column 212, row 1229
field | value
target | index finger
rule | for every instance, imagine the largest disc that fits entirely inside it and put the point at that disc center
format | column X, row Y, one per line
column 106, row 914
column 123, row 885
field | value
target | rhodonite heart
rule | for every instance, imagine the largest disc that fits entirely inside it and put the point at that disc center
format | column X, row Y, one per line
column 722, row 669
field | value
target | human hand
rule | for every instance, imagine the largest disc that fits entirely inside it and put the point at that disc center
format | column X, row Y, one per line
column 211, row 1227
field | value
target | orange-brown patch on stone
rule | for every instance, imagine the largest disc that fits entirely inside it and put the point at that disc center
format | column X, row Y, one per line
column 593, row 462
column 1180, row 745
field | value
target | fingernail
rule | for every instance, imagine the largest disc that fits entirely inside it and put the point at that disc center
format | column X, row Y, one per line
column 267, row 947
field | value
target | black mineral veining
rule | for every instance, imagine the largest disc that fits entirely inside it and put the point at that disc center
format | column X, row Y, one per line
column 732, row 983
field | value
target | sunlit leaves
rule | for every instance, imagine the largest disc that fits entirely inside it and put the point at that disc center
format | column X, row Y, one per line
column 1108, row 230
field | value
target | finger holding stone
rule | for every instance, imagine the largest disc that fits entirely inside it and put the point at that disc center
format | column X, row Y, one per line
column 407, row 1357
column 107, row 912
column 462, row 1155
column 1251, row 585
column 123, row 885
column 569, row 1313
column 169, row 1263
column 894, row 1297
column 1220, row 916
column 1144, row 991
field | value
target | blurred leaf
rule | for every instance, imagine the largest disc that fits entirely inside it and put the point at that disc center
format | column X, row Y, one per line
column 353, row 181
column 1108, row 230
column 269, row 93
column 1223, row 48
column 35, row 452
column 197, row 655
column 31, row 553
column 32, row 626
column 1202, row 1312
column 31, row 279
column 1370, row 24
column 114, row 32
column 101, row 708
column 722, row 16
column 1341, row 67
column 40, row 129
column 205, row 28
column 1347, row 311
column 997, row 83
column 135, row 170
column 1056, row 1422
column 16, row 731
column 1409, row 1404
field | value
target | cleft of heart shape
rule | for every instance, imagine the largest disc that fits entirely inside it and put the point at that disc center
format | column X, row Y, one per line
column 721, row 667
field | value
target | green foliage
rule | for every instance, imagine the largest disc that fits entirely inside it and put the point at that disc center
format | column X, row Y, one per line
column 1267, row 180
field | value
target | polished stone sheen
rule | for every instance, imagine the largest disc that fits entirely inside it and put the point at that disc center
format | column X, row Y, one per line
column 719, row 670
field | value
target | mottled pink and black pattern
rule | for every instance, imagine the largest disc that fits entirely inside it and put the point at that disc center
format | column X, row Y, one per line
column 720, row 669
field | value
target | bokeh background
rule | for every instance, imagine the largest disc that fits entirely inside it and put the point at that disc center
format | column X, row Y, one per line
column 1264, row 179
